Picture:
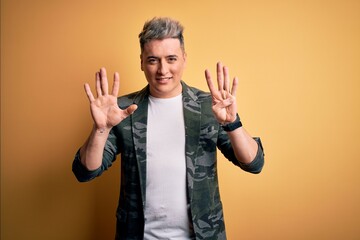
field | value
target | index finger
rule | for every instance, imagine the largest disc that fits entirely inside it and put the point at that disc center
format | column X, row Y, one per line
column 209, row 82
column 116, row 85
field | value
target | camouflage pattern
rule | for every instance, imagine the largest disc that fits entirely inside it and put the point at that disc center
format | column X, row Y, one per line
column 203, row 136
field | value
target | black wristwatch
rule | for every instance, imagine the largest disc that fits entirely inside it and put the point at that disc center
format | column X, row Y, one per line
column 232, row 126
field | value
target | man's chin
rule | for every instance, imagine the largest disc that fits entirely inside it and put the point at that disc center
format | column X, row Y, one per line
column 164, row 90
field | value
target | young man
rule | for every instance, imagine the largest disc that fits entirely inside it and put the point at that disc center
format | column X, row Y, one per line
column 167, row 135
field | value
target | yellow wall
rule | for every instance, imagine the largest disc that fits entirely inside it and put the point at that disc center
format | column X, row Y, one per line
column 299, row 68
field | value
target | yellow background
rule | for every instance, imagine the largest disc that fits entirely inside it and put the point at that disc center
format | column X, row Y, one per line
column 299, row 68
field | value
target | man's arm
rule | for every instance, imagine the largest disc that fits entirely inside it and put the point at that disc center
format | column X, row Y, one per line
column 244, row 146
column 106, row 114
column 92, row 151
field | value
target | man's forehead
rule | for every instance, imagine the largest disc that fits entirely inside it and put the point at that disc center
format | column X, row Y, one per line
column 166, row 45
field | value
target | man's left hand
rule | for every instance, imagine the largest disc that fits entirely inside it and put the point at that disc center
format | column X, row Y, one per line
column 223, row 99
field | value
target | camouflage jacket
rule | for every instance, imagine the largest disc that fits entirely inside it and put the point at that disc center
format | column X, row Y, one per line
column 203, row 136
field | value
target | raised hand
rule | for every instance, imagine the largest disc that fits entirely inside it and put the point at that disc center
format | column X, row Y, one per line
column 223, row 99
column 104, row 108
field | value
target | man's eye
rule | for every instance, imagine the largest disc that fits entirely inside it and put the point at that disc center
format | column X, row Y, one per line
column 152, row 61
column 172, row 59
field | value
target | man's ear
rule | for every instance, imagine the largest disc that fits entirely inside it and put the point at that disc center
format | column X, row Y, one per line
column 184, row 56
column 141, row 63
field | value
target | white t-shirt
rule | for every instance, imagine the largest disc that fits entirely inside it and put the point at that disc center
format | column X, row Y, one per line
column 166, row 208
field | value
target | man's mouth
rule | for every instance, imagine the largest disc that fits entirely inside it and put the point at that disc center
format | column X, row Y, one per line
column 163, row 79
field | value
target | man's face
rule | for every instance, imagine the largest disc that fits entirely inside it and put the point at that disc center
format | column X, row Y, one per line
column 163, row 62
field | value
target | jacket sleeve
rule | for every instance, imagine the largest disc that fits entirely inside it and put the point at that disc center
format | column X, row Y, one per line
column 110, row 151
column 225, row 147
column 257, row 164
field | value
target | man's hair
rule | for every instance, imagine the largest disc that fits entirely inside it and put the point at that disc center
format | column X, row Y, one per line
column 160, row 28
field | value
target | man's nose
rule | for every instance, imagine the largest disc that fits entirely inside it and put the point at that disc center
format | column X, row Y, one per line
column 163, row 68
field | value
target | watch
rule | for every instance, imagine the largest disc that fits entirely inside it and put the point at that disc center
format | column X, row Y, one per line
column 232, row 126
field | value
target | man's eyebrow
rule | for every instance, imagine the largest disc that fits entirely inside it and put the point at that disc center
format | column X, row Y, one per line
column 152, row 57
column 168, row 56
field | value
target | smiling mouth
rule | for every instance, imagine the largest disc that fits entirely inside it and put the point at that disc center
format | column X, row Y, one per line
column 161, row 79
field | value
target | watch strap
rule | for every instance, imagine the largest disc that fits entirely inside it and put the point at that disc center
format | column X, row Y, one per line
column 232, row 126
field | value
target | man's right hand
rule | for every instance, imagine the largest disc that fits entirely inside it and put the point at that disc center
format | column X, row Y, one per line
column 104, row 108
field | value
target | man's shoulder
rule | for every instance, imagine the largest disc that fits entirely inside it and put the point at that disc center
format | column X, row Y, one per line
column 132, row 98
column 197, row 94
column 129, row 96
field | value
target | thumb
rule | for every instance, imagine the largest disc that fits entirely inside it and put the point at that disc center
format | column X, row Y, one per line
column 131, row 109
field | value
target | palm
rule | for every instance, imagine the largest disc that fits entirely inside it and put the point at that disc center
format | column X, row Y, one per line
column 104, row 109
column 105, row 112
column 223, row 100
column 224, row 112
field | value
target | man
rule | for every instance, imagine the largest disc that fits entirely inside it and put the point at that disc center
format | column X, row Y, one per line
column 167, row 135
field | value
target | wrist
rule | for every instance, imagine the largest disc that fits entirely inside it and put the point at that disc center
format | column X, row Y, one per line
column 101, row 130
column 233, row 125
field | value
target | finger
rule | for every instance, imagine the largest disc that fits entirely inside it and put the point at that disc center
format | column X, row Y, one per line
column 116, row 85
column 104, row 81
column 129, row 110
column 223, row 104
column 226, row 79
column 209, row 82
column 88, row 92
column 234, row 86
column 219, row 71
column 97, row 84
